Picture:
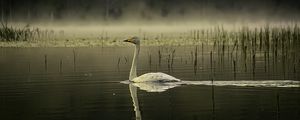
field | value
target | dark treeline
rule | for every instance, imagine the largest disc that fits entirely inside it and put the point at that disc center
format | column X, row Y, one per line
column 59, row 10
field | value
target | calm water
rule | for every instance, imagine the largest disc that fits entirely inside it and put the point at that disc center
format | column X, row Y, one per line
column 84, row 83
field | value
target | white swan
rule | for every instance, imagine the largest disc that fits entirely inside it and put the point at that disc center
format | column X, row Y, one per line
column 148, row 77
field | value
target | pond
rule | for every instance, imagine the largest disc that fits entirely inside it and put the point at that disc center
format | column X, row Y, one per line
column 88, row 83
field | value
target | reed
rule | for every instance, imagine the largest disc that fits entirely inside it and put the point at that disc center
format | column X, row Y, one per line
column 172, row 57
column 159, row 57
column 9, row 33
column 195, row 60
column 26, row 33
column 119, row 60
column 46, row 62
column 74, row 59
column 126, row 60
column 234, row 69
column 29, row 67
column 61, row 66
column 168, row 62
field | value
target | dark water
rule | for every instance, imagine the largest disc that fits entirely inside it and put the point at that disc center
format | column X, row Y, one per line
column 84, row 83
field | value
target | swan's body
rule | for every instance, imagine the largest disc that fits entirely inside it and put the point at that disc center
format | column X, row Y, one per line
column 148, row 77
column 155, row 77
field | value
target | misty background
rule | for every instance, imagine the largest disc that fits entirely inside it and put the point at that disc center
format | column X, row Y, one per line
column 141, row 11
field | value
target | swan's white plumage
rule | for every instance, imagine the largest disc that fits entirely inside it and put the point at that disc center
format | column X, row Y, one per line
column 155, row 77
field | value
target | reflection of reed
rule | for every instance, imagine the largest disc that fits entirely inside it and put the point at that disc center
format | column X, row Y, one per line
column 278, row 106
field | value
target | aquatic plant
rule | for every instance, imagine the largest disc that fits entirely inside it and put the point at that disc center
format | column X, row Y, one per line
column 8, row 33
column 26, row 33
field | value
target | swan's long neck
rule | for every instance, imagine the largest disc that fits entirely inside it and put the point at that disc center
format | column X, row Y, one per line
column 134, row 62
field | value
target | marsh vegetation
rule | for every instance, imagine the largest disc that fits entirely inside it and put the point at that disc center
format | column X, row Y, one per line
column 241, row 37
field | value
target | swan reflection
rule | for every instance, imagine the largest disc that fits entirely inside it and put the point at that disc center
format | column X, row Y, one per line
column 133, row 93
column 149, row 87
column 163, row 86
column 155, row 86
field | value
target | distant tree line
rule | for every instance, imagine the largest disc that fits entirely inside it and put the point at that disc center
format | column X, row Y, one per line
column 56, row 10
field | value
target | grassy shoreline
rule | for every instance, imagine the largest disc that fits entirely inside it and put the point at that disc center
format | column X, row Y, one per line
column 265, row 36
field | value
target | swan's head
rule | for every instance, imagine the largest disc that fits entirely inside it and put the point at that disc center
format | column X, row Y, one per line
column 135, row 40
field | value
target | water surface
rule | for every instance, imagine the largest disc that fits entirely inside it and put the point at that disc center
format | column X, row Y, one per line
column 84, row 83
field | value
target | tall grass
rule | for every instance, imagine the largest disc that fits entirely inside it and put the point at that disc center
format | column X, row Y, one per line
column 245, row 38
column 26, row 33
column 8, row 33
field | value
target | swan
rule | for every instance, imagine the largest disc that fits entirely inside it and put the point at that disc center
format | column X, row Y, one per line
column 148, row 77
